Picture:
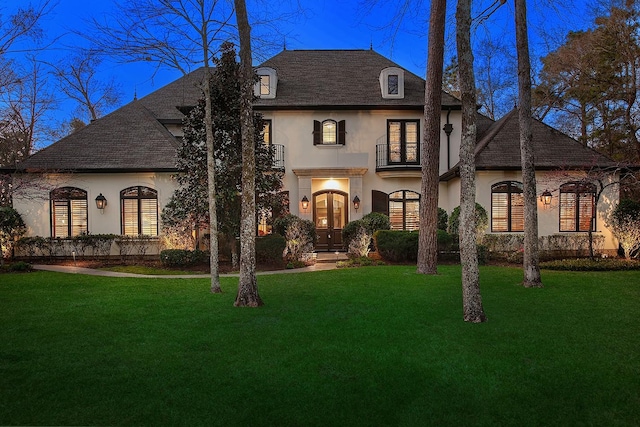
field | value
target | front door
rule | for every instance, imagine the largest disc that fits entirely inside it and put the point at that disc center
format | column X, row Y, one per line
column 330, row 215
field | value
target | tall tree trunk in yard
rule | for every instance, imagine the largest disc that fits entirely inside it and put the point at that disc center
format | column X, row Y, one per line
column 430, row 150
column 247, row 287
column 471, row 298
column 211, row 170
column 531, row 255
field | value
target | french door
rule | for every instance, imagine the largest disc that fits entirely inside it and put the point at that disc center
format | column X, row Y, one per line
column 330, row 214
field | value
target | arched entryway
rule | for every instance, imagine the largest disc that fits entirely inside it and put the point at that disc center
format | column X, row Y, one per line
column 330, row 214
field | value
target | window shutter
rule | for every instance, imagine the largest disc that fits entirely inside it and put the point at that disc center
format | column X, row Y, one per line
column 380, row 202
column 317, row 132
column 341, row 132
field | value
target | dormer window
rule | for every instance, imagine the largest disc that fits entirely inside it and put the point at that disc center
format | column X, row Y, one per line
column 267, row 83
column 392, row 83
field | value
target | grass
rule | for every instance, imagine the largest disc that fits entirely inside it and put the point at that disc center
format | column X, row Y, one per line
column 144, row 269
column 371, row 346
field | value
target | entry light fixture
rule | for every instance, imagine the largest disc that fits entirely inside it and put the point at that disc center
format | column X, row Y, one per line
column 101, row 202
column 545, row 198
column 305, row 203
column 356, row 203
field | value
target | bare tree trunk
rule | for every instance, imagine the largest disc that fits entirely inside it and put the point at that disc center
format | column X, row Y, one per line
column 430, row 150
column 471, row 298
column 247, row 287
column 531, row 255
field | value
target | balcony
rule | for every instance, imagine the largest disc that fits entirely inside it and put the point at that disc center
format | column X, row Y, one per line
column 400, row 169
column 277, row 152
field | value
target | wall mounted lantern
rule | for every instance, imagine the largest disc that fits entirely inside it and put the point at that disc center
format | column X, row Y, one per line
column 101, row 202
column 356, row 203
column 305, row 203
column 545, row 198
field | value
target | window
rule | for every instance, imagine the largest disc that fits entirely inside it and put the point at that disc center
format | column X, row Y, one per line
column 507, row 207
column 404, row 210
column 139, row 211
column 266, row 132
column 329, row 132
column 264, row 85
column 68, row 212
column 392, row 83
column 402, row 142
column 577, row 207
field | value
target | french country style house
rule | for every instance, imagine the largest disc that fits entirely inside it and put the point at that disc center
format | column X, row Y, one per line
column 346, row 127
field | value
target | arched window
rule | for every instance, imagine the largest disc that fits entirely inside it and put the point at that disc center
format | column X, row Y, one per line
column 577, row 206
column 404, row 210
column 68, row 212
column 507, row 207
column 329, row 132
column 139, row 207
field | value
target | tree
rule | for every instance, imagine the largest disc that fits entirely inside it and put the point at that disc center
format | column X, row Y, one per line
column 531, row 254
column 178, row 35
column 77, row 80
column 430, row 149
column 625, row 222
column 189, row 204
column 247, row 286
column 473, row 310
column 11, row 228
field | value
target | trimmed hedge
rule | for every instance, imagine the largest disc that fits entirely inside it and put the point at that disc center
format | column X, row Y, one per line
column 269, row 249
column 182, row 257
column 587, row 264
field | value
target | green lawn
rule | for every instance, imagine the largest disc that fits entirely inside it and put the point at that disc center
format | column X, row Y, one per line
column 374, row 346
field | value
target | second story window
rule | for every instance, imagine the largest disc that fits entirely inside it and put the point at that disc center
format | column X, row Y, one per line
column 402, row 136
column 329, row 132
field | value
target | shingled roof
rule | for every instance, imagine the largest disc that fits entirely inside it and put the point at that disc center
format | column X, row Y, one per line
column 498, row 148
column 129, row 139
column 339, row 78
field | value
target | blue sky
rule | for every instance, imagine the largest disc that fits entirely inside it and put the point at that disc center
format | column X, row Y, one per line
column 325, row 24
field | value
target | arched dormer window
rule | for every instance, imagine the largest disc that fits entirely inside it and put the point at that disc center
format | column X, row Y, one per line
column 68, row 212
column 392, row 83
column 139, row 207
column 267, row 83
column 507, row 207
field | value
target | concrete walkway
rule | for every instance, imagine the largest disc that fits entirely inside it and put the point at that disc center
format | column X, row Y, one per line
column 325, row 261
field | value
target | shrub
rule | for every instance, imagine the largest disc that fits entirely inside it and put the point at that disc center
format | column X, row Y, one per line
column 21, row 266
column 375, row 221
column 625, row 224
column 397, row 245
column 182, row 257
column 299, row 238
column 443, row 219
column 11, row 229
column 359, row 246
column 280, row 226
column 350, row 230
column 445, row 241
column 482, row 221
column 269, row 249
column 588, row 264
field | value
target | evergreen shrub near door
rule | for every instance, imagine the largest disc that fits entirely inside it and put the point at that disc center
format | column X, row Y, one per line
column 269, row 249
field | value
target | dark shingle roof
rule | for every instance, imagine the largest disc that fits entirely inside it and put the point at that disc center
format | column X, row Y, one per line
column 339, row 78
column 165, row 102
column 130, row 138
column 499, row 148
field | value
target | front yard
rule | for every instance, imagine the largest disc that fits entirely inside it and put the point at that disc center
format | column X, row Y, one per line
column 369, row 346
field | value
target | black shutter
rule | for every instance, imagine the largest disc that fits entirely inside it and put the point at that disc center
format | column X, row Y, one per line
column 317, row 133
column 380, row 202
column 341, row 132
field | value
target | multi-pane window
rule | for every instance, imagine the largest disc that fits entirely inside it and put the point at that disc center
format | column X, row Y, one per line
column 139, row 211
column 329, row 132
column 68, row 212
column 403, row 141
column 507, row 207
column 577, row 207
column 392, row 84
column 404, row 210
column 265, row 81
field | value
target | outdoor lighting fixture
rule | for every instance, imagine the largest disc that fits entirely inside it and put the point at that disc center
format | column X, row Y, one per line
column 546, row 198
column 305, row 203
column 101, row 202
column 356, row 203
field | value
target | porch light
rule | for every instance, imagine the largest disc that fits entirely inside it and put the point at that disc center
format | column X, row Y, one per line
column 356, row 203
column 101, row 202
column 305, row 203
column 545, row 198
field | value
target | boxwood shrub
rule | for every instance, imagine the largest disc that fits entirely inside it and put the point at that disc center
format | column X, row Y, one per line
column 182, row 257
